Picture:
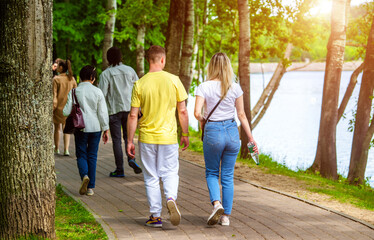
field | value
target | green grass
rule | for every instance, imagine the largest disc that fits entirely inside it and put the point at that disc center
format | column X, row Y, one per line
column 361, row 196
column 73, row 221
column 196, row 144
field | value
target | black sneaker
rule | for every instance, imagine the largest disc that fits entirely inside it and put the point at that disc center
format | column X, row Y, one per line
column 135, row 166
column 116, row 174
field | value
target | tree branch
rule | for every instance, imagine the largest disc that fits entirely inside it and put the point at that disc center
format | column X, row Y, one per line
column 279, row 71
column 355, row 45
column 349, row 91
column 267, row 104
column 304, row 66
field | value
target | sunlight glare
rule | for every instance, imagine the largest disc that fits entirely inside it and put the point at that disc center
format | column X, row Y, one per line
column 321, row 7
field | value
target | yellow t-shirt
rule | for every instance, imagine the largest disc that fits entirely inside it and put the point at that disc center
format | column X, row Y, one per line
column 157, row 94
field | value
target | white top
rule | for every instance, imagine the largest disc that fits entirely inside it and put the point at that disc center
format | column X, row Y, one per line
column 211, row 92
column 92, row 103
column 117, row 83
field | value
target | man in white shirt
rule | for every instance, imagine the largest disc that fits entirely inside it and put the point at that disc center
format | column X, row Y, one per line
column 117, row 82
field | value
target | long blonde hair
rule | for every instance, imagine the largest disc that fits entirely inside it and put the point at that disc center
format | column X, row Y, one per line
column 220, row 68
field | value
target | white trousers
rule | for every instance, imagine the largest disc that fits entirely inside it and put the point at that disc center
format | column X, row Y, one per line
column 159, row 161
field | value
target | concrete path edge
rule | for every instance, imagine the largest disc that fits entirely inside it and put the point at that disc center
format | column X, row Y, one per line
column 108, row 230
column 297, row 198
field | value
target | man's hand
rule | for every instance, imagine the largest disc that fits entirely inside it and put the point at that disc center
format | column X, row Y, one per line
column 131, row 149
column 105, row 136
column 184, row 142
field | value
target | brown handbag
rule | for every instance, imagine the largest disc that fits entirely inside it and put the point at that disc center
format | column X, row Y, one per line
column 206, row 120
column 75, row 120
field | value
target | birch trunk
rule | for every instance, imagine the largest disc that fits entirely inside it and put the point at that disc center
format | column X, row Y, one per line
column 27, row 179
column 111, row 7
column 187, row 50
column 362, row 136
column 140, row 50
column 244, row 71
column 326, row 148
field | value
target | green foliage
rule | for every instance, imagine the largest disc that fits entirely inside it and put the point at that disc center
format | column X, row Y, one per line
column 153, row 14
column 196, row 144
column 78, row 32
column 360, row 21
column 73, row 221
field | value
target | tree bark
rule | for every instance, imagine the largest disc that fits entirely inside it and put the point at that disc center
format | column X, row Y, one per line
column 111, row 7
column 174, row 36
column 27, row 179
column 187, row 50
column 244, row 70
column 349, row 91
column 326, row 148
column 140, row 50
column 270, row 88
column 362, row 136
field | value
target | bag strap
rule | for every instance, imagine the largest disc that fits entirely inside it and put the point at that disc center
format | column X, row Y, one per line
column 74, row 97
column 211, row 112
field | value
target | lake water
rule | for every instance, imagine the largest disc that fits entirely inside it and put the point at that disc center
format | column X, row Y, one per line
column 289, row 129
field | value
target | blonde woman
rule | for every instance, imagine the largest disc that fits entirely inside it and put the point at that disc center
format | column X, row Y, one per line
column 221, row 137
column 62, row 84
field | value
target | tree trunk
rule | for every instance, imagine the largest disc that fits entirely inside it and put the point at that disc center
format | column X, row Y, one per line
column 203, row 49
column 27, row 177
column 361, row 138
column 244, row 71
column 174, row 36
column 111, row 7
column 349, row 91
column 140, row 50
column 326, row 148
column 186, row 59
column 270, row 88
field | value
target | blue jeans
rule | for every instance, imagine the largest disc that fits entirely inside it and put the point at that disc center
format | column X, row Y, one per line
column 86, row 147
column 221, row 147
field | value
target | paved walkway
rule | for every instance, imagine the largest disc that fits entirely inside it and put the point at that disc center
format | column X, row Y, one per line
column 121, row 206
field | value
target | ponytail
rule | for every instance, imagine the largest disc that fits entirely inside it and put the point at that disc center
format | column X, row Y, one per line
column 66, row 67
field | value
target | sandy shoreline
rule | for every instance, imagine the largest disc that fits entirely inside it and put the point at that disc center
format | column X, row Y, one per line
column 301, row 66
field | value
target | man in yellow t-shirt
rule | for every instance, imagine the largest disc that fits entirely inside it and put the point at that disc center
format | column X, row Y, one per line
column 159, row 94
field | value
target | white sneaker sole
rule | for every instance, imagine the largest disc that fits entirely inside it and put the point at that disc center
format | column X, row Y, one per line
column 175, row 216
column 215, row 216
column 83, row 189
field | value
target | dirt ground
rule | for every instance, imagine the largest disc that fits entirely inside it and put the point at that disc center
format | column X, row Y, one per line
column 287, row 185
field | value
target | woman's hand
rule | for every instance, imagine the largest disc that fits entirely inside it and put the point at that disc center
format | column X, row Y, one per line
column 255, row 148
column 105, row 136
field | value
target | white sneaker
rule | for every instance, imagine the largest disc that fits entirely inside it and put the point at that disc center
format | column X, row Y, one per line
column 216, row 214
column 175, row 215
column 225, row 220
column 84, row 185
column 89, row 192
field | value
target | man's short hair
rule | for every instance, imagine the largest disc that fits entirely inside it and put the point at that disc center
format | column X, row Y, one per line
column 114, row 56
column 155, row 53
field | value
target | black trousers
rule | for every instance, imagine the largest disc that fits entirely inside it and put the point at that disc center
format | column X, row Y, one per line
column 116, row 122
